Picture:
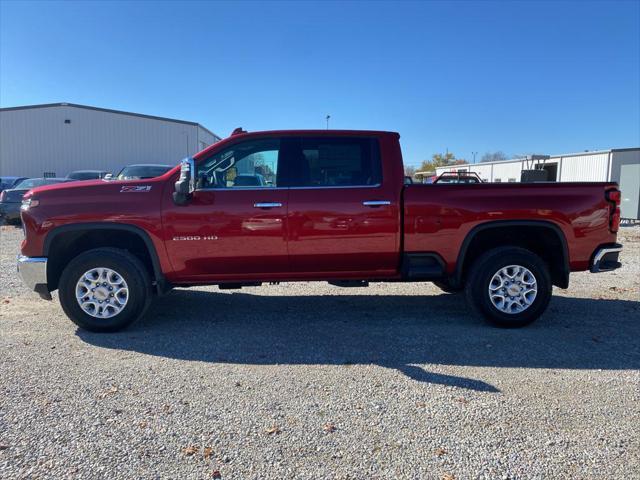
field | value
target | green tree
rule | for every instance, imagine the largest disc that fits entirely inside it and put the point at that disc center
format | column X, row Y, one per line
column 438, row 160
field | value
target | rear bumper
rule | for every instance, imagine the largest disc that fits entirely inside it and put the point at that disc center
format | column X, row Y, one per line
column 10, row 211
column 605, row 258
column 33, row 271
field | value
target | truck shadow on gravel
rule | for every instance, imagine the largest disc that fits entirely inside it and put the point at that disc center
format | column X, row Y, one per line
column 398, row 332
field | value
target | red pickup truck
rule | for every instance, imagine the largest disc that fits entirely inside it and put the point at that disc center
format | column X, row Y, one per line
column 310, row 205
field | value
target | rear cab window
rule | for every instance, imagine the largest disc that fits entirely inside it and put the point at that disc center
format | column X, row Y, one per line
column 334, row 162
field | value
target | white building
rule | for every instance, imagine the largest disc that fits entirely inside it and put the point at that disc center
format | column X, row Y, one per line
column 621, row 165
column 55, row 139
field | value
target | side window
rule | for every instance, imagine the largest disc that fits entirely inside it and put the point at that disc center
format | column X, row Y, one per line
column 335, row 161
column 250, row 164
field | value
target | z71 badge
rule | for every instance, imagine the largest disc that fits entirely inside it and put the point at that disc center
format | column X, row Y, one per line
column 135, row 188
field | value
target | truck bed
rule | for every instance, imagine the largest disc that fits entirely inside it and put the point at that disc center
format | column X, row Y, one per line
column 439, row 218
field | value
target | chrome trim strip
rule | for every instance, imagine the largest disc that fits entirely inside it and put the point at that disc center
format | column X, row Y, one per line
column 376, row 203
column 324, row 187
column 267, row 205
column 603, row 251
column 239, row 189
column 595, row 267
column 32, row 270
column 244, row 189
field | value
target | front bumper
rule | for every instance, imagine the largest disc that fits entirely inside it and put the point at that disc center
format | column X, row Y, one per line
column 605, row 258
column 33, row 271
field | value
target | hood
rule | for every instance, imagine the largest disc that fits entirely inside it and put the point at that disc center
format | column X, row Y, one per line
column 98, row 186
column 97, row 200
column 90, row 189
column 67, row 185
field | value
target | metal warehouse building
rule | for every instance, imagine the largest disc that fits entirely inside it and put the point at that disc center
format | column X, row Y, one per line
column 620, row 165
column 55, row 139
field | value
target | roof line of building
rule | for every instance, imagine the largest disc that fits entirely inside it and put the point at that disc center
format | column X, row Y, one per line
column 563, row 155
column 108, row 110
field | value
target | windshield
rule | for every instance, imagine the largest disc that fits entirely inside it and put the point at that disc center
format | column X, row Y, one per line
column 6, row 183
column 84, row 175
column 35, row 182
column 136, row 172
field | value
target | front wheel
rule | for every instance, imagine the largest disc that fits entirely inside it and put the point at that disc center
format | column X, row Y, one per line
column 510, row 286
column 104, row 290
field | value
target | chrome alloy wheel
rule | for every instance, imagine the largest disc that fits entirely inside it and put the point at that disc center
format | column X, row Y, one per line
column 102, row 292
column 513, row 289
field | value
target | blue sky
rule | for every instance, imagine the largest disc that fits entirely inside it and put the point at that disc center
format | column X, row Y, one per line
column 521, row 77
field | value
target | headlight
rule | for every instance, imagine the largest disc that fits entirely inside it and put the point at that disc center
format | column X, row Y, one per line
column 28, row 203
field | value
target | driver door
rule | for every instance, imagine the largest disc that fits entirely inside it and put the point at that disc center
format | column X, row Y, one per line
column 234, row 227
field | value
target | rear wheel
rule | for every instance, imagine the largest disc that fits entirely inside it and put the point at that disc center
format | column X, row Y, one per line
column 104, row 290
column 510, row 286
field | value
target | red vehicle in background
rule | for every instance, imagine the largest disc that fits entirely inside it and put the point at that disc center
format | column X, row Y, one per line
column 458, row 177
column 331, row 206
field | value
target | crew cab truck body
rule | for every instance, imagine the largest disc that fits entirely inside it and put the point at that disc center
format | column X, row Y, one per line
column 333, row 206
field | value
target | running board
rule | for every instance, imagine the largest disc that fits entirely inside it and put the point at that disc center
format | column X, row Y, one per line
column 238, row 286
column 348, row 283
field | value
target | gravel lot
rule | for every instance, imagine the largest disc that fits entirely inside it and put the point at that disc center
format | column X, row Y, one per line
column 313, row 381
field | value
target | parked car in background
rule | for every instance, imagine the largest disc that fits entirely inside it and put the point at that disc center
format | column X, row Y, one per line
column 458, row 177
column 87, row 174
column 244, row 180
column 9, row 182
column 11, row 198
column 142, row 171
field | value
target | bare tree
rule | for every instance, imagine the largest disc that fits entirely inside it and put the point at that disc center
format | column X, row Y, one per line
column 409, row 171
column 494, row 156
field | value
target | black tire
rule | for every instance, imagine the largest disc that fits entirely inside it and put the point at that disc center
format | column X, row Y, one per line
column 445, row 287
column 128, row 267
column 482, row 272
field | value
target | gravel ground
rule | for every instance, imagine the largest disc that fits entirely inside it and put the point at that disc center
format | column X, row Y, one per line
column 313, row 381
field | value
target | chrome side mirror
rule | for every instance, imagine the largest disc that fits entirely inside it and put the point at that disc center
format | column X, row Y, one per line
column 185, row 185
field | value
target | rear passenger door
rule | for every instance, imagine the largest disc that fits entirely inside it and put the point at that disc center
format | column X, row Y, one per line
column 343, row 218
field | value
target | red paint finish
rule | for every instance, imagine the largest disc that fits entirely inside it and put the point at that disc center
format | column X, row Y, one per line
column 439, row 217
column 330, row 230
column 95, row 201
column 221, row 234
column 317, row 233
column 332, row 233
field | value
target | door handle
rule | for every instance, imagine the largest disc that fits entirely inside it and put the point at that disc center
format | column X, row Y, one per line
column 267, row 205
column 376, row 203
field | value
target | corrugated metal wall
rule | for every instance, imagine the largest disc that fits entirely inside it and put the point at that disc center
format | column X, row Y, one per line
column 205, row 138
column 583, row 168
column 484, row 171
column 625, row 169
column 37, row 140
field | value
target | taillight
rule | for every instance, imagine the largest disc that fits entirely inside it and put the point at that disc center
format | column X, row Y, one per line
column 614, row 197
column 615, row 220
